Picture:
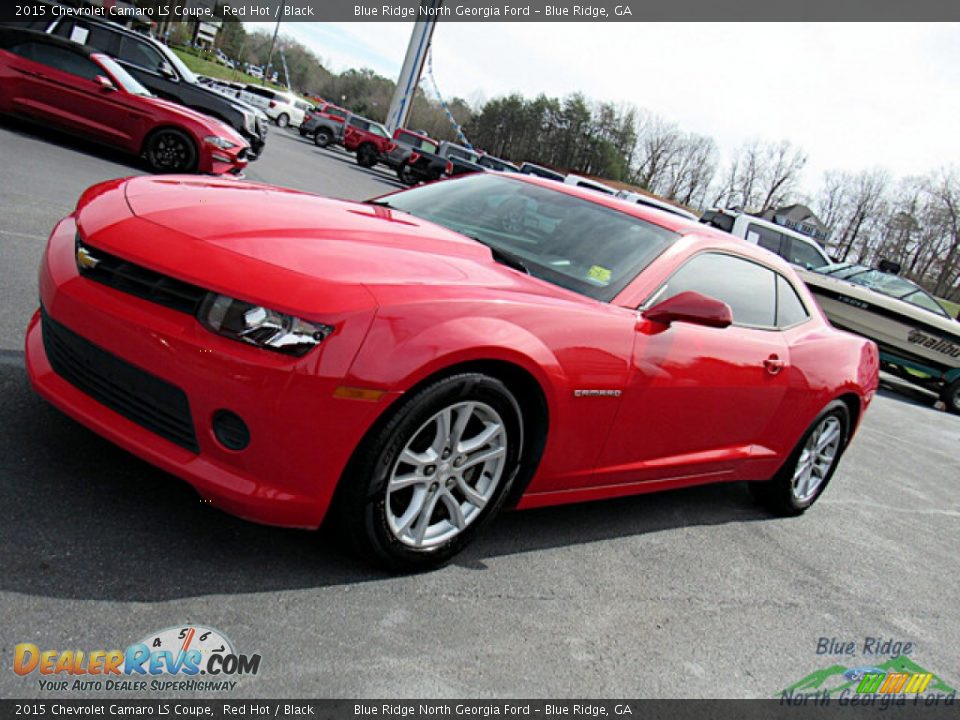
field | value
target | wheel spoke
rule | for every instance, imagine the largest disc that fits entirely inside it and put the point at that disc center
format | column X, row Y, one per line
column 480, row 439
column 828, row 436
column 423, row 521
column 456, row 512
column 442, row 438
column 806, row 481
column 402, row 481
column 418, row 460
column 464, row 413
column 412, row 512
column 472, row 496
column 482, row 457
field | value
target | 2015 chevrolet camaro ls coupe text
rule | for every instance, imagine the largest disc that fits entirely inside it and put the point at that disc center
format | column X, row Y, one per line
column 410, row 365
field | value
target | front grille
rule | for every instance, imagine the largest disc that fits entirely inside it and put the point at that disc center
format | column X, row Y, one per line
column 139, row 396
column 137, row 280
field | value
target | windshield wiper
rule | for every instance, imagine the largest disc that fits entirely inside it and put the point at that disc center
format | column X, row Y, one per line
column 502, row 256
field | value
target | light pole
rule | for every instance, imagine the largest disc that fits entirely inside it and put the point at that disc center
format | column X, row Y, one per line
column 273, row 42
column 413, row 65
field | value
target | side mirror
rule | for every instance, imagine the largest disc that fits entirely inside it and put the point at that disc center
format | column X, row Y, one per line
column 105, row 83
column 691, row 307
column 166, row 69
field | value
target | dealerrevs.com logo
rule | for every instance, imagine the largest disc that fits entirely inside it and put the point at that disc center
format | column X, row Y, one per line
column 183, row 658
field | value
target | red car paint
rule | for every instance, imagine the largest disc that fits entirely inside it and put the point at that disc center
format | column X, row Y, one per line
column 114, row 117
column 354, row 138
column 410, row 299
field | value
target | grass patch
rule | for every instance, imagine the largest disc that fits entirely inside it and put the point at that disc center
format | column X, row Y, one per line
column 202, row 66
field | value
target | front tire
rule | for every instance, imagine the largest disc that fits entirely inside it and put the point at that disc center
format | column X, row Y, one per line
column 367, row 156
column 422, row 486
column 323, row 137
column 808, row 469
column 171, row 151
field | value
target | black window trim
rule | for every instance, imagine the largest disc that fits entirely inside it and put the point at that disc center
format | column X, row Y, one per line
column 803, row 304
column 650, row 300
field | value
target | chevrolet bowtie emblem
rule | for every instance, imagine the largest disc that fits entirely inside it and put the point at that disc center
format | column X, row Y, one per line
column 85, row 260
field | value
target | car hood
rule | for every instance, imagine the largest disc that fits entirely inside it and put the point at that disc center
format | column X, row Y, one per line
column 225, row 224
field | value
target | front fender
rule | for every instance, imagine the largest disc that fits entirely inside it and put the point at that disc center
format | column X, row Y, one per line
column 395, row 357
column 576, row 348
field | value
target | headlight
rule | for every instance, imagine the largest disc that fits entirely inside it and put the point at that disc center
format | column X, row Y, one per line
column 260, row 326
column 219, row 142
column 250, row 122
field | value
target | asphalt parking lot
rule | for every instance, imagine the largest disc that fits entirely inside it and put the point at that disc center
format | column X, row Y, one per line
column 695, row 593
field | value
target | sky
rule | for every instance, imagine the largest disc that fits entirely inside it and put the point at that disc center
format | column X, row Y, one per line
column 854, row 96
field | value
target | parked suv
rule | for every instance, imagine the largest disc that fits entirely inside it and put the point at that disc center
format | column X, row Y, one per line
column 158, row 68
column 325, row 124
column 791, row 245
column 281, row 107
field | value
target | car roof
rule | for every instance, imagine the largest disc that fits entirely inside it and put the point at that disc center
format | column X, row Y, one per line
column 10, row 36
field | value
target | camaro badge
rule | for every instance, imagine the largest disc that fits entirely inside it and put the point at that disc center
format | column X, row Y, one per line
column 85, row 260
column 596, row 393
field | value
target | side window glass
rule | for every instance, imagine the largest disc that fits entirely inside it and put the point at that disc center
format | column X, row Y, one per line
column 24, row 50
column 765, row 238
column 65, row 60
column 748, row 288
column 140, row 54
column 790, row 309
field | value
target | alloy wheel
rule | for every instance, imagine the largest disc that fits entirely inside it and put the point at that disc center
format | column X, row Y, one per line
column 817, row 457
column 169, row 151
column 446, row 474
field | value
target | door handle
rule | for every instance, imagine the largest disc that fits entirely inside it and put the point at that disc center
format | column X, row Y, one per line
column 773, row 364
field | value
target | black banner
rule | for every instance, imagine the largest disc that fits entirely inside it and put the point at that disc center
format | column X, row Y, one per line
column 487, row 10
column 890, row 707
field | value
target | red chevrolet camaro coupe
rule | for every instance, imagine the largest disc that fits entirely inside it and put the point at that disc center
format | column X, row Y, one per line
column 410, row 365
column 52, row 81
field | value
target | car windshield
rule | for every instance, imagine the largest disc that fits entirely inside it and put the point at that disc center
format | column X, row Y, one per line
column 885, row 283
column 185, row 72
column 560, row 238
column 125, row 79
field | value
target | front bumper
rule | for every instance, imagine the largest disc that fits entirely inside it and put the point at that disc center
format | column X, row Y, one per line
column 301, row 436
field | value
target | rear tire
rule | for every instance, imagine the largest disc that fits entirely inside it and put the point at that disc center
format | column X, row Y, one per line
column 406, row 175
column 421, row 486
column 367, row 156
column 283, row 120
column 951, row 397
column 323, row 138
column 807, row 471
column 169, row 150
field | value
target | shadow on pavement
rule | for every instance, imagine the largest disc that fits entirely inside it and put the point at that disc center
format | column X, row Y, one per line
column 73, row 142
column 86, row 520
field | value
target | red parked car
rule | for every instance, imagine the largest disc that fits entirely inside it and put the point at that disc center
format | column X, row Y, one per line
column 56, row 82
column 410, row 365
